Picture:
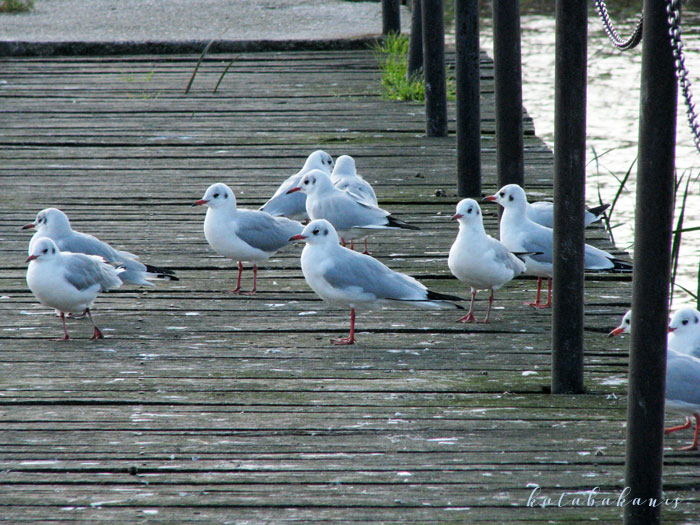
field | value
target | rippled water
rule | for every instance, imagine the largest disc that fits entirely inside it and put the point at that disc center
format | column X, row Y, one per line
column 613, row 107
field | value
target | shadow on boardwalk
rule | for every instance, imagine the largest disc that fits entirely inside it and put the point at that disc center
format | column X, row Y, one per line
column 201, row 405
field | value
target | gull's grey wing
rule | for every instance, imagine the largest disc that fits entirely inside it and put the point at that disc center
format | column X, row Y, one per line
column 344, row 212
column 360, row 189
column 538, row 239
column 84, row 271
column 83, row 243
column 683, row 378
column 287, row 205
column 264, row 232
column 504, row 256
column 368, row 275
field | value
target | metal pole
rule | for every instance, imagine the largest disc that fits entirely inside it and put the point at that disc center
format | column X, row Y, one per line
column 434, row 69
column 468, row 109
column 509, row 92
column 569, row 196
column 415, row 43
column 391, row 17
column 652, row 266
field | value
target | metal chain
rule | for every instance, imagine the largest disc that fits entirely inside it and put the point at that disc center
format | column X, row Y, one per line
column 624, row 45
column 673, row 10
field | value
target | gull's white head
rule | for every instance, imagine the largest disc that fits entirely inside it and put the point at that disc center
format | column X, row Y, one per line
column 684, row 321
column 43, row 249
column 625, row 326
column 50, row 222
column 468, row 213
column 344, row 166
column 319, row 231
column 218, row 196
column 510, row 196
column 315, row 181
column 318, row 160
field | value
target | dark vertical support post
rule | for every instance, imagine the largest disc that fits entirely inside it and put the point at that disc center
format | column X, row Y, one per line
column 434, row 69
column 468, row 107
column 391, row 17
column 652, row 266
column 415, row 43
column 569, row 196
column 509, row 92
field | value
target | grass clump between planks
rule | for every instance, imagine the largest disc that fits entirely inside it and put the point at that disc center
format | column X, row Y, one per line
column 391, row 57
column 16, row 6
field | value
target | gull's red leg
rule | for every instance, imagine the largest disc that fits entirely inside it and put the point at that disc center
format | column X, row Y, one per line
column 96, row 334
column 65, row 330
column 488, row 310
column 469, row 318
column 255, row 281
column 351, row 338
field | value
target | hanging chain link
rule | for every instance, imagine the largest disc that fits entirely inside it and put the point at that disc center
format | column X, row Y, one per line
column 673, row 9
column 624, row 45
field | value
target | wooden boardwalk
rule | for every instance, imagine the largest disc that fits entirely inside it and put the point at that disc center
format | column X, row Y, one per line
column 205, row 406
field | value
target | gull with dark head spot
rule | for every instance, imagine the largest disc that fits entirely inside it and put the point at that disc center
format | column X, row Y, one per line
column 684, row 332
column 343, row 277
column 69, row 282
column 54, row 224
column 351, row 218
column 520, row 234
column 243, row 235
column 682, row 384
column 479, row 260
column 293, row 206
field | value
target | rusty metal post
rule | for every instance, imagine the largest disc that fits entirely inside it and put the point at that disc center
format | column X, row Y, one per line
column 652, row 264
column 391, row 17
column 509, row 92
column 569, row 196
column 434, row 69
column 415, row 43
column 468, row 106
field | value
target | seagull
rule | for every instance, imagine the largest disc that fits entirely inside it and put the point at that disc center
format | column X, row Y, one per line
column 243, row 235
column 69, row 282
column 478, row 259
column 281, row 204
column 345, row 177
column 343, row 277
column 542, row 212
column 682, row 382
column 519, row 234
column 54, row 224
column 684, row 332
column 349, row 217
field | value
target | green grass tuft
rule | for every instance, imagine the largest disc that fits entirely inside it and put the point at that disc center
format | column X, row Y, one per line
column 16, row 6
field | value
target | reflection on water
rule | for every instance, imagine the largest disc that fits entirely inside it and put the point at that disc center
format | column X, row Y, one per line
column 612, row 126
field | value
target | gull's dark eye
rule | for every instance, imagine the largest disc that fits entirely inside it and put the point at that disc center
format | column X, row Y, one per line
column 502, row 194
column 306, row 181
column 684, row 322
column 510, row 197
column 627, row 321
column 45, row 250
column 216, row 195
column 469, row 210
column 315, row 232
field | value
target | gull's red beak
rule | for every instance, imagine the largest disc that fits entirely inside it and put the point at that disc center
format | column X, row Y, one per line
column 293, row 190
column 457, row 216
column 617, row 331
column 298, row 237
column 30, row 258
column 28, row 226
column 671, row 329
column 491, row 198
column 200, row 202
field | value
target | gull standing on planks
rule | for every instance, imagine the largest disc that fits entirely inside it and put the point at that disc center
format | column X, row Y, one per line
column 69, row 282
column 243, row 235
column 684, row 336
column 343, row 277
column 542, row 212
column 479, row 260
column 54, row 224
column 349, row 217
column 520, row 234
column 293, row 206
column 345, row 177
column 682, row 384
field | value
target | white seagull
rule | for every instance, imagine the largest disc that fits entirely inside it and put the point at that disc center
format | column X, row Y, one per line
column 292, row 206
column 684, row 332
column 243, row 235
column 682, row 384
column 479, row 260
column 542, row 212
column 520, row 234
column 345, row 177
column 54, row 224
column 341, row 276
column 350, row 217
column 69, row 282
